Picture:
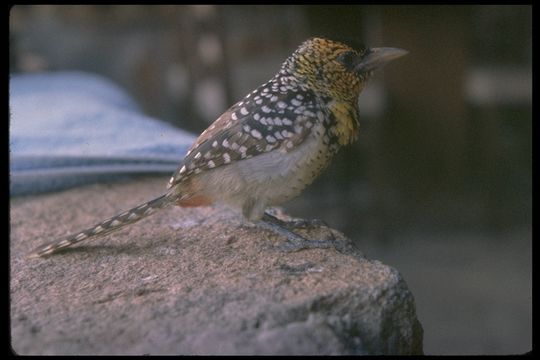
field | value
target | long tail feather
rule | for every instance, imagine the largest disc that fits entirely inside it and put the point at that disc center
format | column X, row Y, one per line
column 105, row 227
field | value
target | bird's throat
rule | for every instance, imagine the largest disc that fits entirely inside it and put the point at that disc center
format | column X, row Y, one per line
column 346, row 121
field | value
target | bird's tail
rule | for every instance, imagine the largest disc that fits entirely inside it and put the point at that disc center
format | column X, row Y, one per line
column 105, row 227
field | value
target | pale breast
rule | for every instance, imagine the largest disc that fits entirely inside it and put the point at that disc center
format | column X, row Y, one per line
column 268, row 179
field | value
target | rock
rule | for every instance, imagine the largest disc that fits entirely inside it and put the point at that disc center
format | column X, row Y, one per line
column 194, row 281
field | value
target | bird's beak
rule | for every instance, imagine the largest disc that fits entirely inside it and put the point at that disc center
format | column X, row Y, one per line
column 376, row 58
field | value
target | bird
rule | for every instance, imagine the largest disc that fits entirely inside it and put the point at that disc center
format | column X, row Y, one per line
column 267, row 147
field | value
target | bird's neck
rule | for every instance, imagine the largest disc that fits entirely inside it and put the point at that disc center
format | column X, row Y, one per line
column 345, row 120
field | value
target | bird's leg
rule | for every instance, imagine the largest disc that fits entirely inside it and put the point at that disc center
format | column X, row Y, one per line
column 294, row 241
column 294, row 223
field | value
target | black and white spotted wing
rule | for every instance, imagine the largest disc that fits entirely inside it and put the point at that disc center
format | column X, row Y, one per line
column 263, row 121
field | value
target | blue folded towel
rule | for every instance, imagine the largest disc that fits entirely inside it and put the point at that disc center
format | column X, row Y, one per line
column 73, row 128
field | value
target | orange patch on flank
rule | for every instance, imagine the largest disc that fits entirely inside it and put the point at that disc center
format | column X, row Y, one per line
column 195, row 201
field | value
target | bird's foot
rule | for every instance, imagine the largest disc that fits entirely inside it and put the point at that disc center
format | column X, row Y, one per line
column 294, row 241
column 294, row 223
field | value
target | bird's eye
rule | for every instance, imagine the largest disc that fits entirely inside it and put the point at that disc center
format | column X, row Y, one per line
column 347, row 59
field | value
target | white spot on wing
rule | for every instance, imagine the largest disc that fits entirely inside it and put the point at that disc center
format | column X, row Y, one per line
column 242, row 150
column 256, row 134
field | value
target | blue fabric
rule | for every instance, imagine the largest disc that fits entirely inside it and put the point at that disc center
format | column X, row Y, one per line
column 73, row 128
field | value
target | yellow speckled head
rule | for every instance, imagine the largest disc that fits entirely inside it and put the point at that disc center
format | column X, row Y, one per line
column 337, row 73
column 335, row 69
column 322, row 64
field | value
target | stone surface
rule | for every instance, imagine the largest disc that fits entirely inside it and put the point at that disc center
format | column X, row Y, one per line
column 194, row 281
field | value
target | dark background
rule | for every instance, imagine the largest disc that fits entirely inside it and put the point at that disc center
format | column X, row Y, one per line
column 439, row 184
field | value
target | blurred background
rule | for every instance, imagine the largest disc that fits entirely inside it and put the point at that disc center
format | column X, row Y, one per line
column 439, row 184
